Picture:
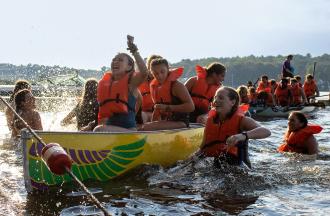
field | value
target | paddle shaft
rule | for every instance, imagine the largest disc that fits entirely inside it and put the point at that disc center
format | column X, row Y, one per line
column 255, row 83
column 314, row 96
column 93, row 198
column 314, row 69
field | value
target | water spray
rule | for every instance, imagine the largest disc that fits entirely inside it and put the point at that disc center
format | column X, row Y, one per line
column 57, row 160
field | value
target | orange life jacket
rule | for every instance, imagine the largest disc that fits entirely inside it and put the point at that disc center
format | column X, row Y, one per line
column 216, row 134
column 112, row 96
column 295, row 141
column 244, row 107
column 147, row 103
column 296, row 94
column 245, row 99
column 264, row 87
column 283, row 95
column 310, row 88
column 202, row 93
column 253, row 97
column 162, row 93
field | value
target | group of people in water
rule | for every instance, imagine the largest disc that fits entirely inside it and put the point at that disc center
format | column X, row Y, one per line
column 289, row 92
column 152, row 98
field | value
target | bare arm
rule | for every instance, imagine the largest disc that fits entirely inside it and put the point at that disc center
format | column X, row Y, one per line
column 69, row 117
column 180, row 91
column 37, row 125
column 287, row 70
column 276, row 100
column 312, row 145
column 273, row 99
column 317, row 91
column 190, row 83
column 140, row 76
column 303, row 96
column 9, row 118
column 139, row 99
column 253, row 131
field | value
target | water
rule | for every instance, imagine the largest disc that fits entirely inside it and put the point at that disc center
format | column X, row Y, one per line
column 278, row 184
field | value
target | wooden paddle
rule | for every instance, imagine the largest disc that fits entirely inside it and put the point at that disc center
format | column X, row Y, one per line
column 314, row 69
column 255, row 83
column 315, row 96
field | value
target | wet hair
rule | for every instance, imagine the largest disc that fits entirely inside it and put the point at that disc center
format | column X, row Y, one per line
column 290, row 56
column 264, row 77
column 241, row 88
column 272, row 81
column 294, row 80
column 298, row 78
column 90, row 91
column 232, row 95
column 309, row 76
column 150, row 58
column 285, row 80
column 130, row 62
column 20, row 98
column 216, row 68
column 86, row 111
column 19, row 85
column 252, row 90
column 159, row 61
column 301, row 117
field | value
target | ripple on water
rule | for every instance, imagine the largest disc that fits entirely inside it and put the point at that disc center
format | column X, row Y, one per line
column 287, row 184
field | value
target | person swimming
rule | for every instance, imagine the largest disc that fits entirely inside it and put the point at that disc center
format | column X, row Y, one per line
column 25, row 106
column 299, row 136
column 227, row 129
column 19, row 85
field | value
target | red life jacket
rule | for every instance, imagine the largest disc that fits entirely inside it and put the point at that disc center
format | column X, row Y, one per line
column 264, row 87
column 147, row 103
column 202, row 93
column 244, row 107
column 283, row 95
column 310, row 88
column 296, row 94
column 162, row 93
column 295, row 141
column 253, row 97
column 216, row 134
column 112, row 96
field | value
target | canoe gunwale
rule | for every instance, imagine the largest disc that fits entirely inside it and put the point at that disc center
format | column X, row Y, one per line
column 267, row 112
column 194, row 126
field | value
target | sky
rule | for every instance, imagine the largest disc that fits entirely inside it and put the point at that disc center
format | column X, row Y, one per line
column 86, row 34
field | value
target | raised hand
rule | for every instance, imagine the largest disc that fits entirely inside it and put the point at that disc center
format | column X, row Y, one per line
column 130, row 45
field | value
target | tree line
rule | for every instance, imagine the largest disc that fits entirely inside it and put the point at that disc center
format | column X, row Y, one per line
column 239, row 69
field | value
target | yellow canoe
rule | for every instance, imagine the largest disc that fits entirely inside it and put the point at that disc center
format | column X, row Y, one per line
column 103, row 156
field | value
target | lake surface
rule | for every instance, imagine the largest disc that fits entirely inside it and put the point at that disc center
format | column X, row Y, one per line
column 278, row 184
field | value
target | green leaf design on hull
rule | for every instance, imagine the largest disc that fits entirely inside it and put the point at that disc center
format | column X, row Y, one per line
column 115, row 162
